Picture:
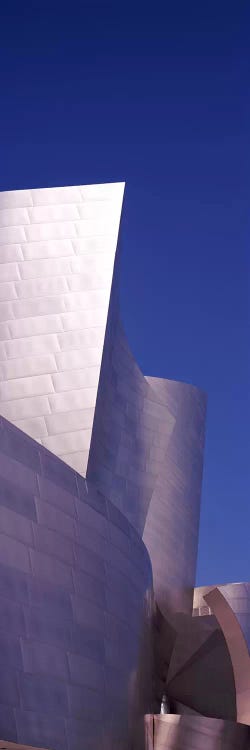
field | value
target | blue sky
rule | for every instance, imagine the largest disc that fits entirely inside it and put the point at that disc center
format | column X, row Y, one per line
column 156, row 94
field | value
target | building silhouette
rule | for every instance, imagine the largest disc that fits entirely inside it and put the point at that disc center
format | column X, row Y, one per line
column 105, row 644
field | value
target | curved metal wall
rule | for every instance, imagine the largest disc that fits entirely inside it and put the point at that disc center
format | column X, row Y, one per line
column 210, row 663
column 146, row 454
column 172, row 732
column 76, row 607
column 200, row 675
column 146, row 457
column 57, row 250
column 230, row 605
column 238, row 597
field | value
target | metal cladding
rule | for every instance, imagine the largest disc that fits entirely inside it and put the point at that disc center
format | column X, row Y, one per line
column 231, row 607
column 57, row 250
column 76, row 607
column 99, row 630
column 173, row 731
column 147, row 456
column 214, row 643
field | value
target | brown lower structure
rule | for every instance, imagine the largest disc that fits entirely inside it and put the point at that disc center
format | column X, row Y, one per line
column 178, row 732
column 5, row 745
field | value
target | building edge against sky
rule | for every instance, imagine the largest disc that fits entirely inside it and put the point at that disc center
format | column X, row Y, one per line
column 76, row 555
column 57, row 249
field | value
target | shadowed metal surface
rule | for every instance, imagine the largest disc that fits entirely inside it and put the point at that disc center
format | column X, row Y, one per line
column 228, row 609
column 173, row 732
column 210, row 666
column 200, row 674
column 146, row 454
column 238, row 597
column 85, row 651
column 57, row 250
column 76, row 607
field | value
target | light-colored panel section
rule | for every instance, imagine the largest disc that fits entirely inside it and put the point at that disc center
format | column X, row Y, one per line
column 53, row 196
column 48, row 214
column 23, row 387
column 10, row 235
column 2, row 352
column 7, row 290
column 49, row 249
column 6, row 312
column 101, row 192
column 97, row 263
column 88, row 227
column 86, row 300
column 82, row 418
column 38, row 306
column 4, row 331
column 23, row 308
column 20, row 368
column 57, row 250
column 53, row 231
column 16, row 199
column 33, row 269
column 42, row 324
column 97, row 244
column 81, row 339
column 35, row 427
column 25, row 407
column 68, row 442
column 94, row 210
column 13, row 217
column 77, row 359
column 10, row 253
column 72, row 400
column 88, row 280
column 65, row 381
column 84, row 319
column 77, row 460
column 42, row 287
column 9, row 271
column 31, row 345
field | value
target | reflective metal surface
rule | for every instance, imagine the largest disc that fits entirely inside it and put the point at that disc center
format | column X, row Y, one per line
column 200, row 674
column 76, row 607
column 147, row 455
column 57, row 250
column 209, row 668
column 231, row 605
column 173, row 732
column 98, row 625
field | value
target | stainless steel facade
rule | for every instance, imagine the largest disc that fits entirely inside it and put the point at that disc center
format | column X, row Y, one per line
column 57, row 250
column 147, row 456
column 76, row 607
column 231, row 607
column 97, row 574
column 214, row 643
column 175, row 732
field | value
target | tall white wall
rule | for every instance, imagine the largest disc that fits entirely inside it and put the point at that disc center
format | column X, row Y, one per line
column 57, row 251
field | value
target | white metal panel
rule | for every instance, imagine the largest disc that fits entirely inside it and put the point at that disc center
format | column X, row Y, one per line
column 57, row 251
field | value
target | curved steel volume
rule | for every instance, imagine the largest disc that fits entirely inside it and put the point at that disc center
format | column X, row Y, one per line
column 76, row 607
column 59, row 373
column 146, row 454
column 231, row 606
column 174, row 732
column 86, row 650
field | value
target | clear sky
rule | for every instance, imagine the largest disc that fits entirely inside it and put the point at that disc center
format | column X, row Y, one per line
column 156, row 94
